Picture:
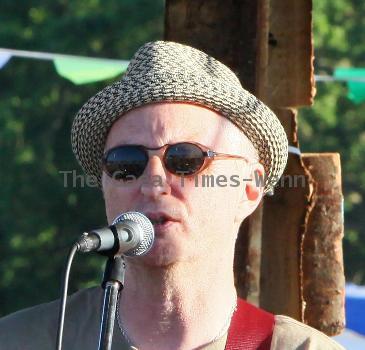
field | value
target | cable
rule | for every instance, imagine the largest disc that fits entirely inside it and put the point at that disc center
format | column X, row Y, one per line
column 64, row 288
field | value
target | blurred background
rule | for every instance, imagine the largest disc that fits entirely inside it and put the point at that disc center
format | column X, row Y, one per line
column 40, row 217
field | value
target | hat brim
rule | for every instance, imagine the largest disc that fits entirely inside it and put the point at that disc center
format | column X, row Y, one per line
column 260, row 125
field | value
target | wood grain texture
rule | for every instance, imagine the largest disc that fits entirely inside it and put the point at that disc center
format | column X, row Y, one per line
column 234, row 32
column 290, row 84
column 268, row 44
column 323, row 272
column 283, row 228
column 291, row 54
column 227, row 30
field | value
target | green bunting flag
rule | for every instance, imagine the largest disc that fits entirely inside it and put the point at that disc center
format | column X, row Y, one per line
column 356, row 88
column 83, row 70
column 88, row 70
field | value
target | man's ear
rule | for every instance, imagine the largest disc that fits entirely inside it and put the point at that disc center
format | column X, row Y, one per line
column 253, row 191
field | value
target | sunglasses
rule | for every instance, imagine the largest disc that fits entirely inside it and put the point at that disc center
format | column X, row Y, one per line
column 127, row 162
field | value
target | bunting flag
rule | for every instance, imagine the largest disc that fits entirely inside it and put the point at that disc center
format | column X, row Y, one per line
column 355, row 78
column 88, row 70
column 4, row 58
column 83, row 70
column 78, row 69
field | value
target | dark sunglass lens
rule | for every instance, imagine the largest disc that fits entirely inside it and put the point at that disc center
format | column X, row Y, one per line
column 184, row 159
column 126, row 162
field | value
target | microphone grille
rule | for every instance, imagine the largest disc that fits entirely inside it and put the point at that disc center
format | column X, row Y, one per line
column 148, row 233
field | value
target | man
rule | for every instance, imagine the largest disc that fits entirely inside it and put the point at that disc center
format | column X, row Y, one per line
column 181, row 141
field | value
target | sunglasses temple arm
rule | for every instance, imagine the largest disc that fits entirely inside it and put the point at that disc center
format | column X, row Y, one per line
column 227, row 156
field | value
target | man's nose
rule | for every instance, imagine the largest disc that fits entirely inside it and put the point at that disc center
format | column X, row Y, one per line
column 156, row 179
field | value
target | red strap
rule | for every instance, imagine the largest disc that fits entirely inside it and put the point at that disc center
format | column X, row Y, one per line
column 251, row 328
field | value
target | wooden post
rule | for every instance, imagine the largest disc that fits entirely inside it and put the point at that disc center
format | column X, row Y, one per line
column 290, row 84
column 236, row 33
column 323, row 273
column 268, row 44
column 284, row 223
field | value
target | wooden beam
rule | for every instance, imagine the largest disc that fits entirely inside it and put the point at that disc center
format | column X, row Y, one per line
column 234, row 32
column 290, row 85
column 230, row 31
column 237, row 33
column 323, row 272
column 284, row 220
column 291, row 56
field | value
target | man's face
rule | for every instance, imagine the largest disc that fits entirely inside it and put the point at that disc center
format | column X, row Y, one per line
column 198, row 222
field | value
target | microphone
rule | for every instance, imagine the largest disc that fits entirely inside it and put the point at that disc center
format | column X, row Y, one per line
column 131, row 234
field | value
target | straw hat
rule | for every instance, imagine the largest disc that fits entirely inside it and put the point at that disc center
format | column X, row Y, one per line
column 168, row 71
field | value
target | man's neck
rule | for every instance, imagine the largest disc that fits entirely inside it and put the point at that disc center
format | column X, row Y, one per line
column 178, row 307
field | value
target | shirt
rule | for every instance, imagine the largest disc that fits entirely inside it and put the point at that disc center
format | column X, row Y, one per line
column 35, row 328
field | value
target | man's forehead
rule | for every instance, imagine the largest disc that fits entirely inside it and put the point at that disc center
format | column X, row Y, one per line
column 172, row 122
column 174, row 112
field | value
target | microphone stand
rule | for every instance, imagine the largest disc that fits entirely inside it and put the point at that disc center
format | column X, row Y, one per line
column 113, row 282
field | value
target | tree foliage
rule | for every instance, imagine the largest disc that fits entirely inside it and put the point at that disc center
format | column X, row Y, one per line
column 39, row 216
column 334, row 123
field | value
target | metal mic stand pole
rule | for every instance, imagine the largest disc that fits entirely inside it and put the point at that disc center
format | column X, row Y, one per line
column 113, row 282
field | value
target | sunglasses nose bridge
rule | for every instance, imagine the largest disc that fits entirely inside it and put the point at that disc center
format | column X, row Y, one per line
column 157, row 181
column 155, row 164
column 158, row 151
column 155, row 152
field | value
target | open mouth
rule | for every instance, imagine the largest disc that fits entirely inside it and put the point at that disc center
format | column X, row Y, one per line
column 159, row 221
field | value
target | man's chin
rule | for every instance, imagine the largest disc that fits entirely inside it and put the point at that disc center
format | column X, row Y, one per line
column 159, row 262
column 159, row 257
